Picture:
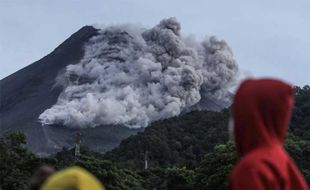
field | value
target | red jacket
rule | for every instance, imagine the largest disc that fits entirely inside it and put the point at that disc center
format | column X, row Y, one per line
column 262, row 110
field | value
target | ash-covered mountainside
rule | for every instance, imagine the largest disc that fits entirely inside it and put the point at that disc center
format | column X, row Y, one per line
column 31, row 90
column 114, row 81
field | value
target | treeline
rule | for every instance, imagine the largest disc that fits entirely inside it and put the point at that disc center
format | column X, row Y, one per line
column 183, row 141
column 300, row 125
column 191, row 151
column 180, row 141
column 18, row 164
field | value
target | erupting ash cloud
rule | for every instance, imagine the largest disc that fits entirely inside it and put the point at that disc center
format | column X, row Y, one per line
column 133, row 76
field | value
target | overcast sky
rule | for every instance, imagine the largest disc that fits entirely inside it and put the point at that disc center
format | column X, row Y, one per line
column 268, row 37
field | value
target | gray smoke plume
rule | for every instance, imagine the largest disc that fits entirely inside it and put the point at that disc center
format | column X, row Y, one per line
column 133, row 76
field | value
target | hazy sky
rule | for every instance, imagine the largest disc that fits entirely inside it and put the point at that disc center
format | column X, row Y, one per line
column 268, row 37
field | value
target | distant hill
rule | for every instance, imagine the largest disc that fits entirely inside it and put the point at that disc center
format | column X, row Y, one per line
column 182, row 140
column 185, row 140
column 25, row 94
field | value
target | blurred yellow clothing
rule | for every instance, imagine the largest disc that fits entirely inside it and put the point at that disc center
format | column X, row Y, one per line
column 73, row 178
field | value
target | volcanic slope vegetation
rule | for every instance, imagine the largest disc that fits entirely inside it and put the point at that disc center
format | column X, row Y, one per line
column 191, row 151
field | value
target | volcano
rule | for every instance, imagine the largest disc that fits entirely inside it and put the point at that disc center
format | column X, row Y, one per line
column 107, row 84
column 31, row 90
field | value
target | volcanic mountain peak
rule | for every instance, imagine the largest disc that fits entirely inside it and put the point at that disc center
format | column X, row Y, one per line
column 31, row 90
column 111, row 78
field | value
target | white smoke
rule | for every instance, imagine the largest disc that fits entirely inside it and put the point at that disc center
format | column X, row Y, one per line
column 133, row 76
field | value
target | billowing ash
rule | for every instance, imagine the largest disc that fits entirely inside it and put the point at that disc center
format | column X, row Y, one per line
column 132, row 76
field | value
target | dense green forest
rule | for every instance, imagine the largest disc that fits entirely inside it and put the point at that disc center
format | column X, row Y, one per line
column 179, row 141
column 191, row 151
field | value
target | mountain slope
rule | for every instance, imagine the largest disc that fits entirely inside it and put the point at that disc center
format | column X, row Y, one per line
column 112, row 81
column 31, row 90
column 182, row 140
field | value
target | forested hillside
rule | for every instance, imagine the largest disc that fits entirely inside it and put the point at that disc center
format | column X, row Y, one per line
column 185, row 140
column 179, row 141
column 300, row 125
column 188, row 152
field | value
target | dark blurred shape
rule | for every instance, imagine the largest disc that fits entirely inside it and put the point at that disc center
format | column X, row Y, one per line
column 40, row 176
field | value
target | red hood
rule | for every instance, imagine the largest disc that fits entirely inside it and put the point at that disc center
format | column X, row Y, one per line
column 261, row 111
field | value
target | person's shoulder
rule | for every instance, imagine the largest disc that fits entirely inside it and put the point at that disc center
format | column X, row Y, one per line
column 254, row 163
column 251, row 172
column 260, row 163
column 247, row 163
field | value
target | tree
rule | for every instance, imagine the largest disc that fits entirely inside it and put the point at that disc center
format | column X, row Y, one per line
column 300, row 124
column 213, row 171
column 180, row 178
column 16, row 162
column 180, row 141
column 299, row 150
column 112, row 177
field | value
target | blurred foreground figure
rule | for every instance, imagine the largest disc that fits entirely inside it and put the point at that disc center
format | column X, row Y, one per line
column 261, row 114
column 73, row 178
column 40, row 176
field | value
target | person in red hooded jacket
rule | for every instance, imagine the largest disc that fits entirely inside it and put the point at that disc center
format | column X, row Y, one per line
column 261, row 114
